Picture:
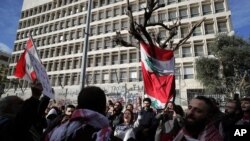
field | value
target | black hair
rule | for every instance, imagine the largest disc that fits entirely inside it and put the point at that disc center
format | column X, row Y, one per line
column 70, row 106
column 132, row 116
column 148, row 100
column 92, row 98
column 212, row 108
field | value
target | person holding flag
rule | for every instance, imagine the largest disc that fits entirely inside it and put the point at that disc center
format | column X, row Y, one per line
column 24, row 68
column 30, row 68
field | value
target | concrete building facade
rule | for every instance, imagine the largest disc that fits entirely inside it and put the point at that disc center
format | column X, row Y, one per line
column 58, row 30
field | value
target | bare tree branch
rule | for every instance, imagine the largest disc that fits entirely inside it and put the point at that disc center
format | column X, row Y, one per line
column 183, row 40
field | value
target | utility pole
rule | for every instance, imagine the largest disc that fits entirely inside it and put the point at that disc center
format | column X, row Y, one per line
column 85, row 48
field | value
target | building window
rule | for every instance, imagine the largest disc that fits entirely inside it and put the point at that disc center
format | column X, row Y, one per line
column 132, row 75
column 107, row 28
column 98, row 61
column 90, row 62
column 188, row 72
column 106, row 60
column 162, row 17
column 219, row 7
column 132, row 58
column 186, row 52
column 101, row 15
column 116, row 11
column 197, row 31
column 113, row 77
column 171, row 1
column 91, row 46
column 89, row 78
column 209, row 45
column 123, row 58
column 123, row 76
column 206, row 9
column 105, row 78
column 109, row 14
column 209, row 28
column 222, row 27
column 198, row 50
column 142, row 5
column 194, row 11
column 97, row 77
column 177, row 73
column 98, row 45
column 172, row 15
column 107, row 44
column 183, row 13
column 177, row 53
column 116, row 26
column 184, row 32
column 124, row 25
column 114, row 59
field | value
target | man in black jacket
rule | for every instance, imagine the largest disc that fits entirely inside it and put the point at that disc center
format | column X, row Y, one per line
column 146, row 124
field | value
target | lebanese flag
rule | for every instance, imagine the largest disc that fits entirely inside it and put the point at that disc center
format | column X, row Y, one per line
column 24, row 69
column 158, row 74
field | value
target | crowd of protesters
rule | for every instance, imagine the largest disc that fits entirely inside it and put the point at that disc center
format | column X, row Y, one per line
column 93, row 118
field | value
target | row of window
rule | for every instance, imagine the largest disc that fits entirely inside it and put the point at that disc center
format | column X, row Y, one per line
column 169, row 15
column 46, row 7
column 208, row 27
column 132, row 74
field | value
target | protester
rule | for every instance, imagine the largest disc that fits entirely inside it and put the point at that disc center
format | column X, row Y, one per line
column 170, row 122
column 68, row 112
column 131, row 107
column 124, row 131
column 88, row 122
column 233, row 113
column 9, row 107
column 146, row 124
column 198, row 124
column 245, row 106
column 115, row 117
column 27, row 121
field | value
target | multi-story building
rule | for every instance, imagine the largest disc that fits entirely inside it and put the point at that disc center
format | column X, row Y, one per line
column 4, row 58
column 58, row 30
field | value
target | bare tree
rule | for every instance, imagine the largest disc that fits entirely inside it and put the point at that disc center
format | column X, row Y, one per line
column 139, row 30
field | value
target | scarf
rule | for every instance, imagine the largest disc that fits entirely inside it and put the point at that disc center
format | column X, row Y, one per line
column 79, row 119
column 210, row 133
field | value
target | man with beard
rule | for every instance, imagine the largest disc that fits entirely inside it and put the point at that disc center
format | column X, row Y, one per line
column 115, row 117
column 245, row 106
column 146, row 123
column 232, row 114
column 198, row 124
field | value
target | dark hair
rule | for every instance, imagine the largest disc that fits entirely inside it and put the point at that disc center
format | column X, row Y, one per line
column 178, row 109
column 237, row 103
column 245, row 99
column 70, row 106
column 132, row 116
column 130, row 105
column 166, row 105
column 148, row 100
column 212, row 108
column 9, row 105
column 92, row 98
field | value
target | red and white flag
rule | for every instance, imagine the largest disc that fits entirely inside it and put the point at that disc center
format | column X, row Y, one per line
column 158, row 74
column 24, row 68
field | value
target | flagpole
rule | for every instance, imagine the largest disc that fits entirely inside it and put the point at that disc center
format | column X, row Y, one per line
column 174, row 81
column 85, row 48
column 35, row 47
